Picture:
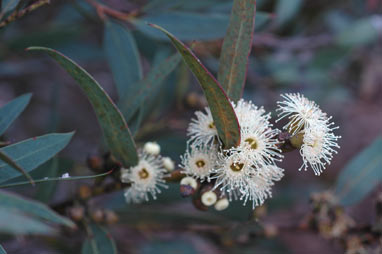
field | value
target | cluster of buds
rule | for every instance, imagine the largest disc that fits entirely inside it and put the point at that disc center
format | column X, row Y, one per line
column 248, row 171
column 331, row 221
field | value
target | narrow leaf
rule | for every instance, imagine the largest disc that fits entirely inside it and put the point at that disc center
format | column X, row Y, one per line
column 286, row 10
column 113, row 125
column 122, row 55
column 16, row 223
column 30, row 207
column 10, row 111
column 361, row 175
column 153, row 80
column 14, row 165
column 31, row 153
column 55, row 179
column 236, row 48
column 2, row 251
column 99, row 241
column 222, row 112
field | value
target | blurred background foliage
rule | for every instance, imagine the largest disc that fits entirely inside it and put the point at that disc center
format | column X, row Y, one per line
column 331, row 51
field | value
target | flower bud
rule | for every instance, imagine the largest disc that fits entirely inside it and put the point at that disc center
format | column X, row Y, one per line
column 95, row 163
column 111, row 217
column 168, row 164
column 97, row 215
column 188, row 185
column 221, row 204
column 209, row 198
column 77, row 213
column 84, row 192
column 151, row 148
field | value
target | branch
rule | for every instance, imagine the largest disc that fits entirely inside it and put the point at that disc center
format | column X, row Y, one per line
column 18, row 14
column 104, row 10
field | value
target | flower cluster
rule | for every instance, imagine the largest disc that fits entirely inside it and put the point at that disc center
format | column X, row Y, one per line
column 147, row 177
column 248, row 171
column 311, row 129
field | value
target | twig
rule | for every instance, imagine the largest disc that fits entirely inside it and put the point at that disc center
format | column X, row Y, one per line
column 103, row 10
column 18, row 14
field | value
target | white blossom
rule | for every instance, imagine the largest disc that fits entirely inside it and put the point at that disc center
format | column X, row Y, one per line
column 199, row 161
column 145, row 178
column 318, row 146
column 152, row 148
column 202, row 130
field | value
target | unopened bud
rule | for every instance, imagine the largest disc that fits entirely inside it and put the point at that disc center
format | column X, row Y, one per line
column 97, row 215
column 111, row 217
column 221, row 204
column 168, row 164
column 95, row 163
column 84, row 192
column 151, row 148
column 77, row 213
column 209, row 198
column 188, row 186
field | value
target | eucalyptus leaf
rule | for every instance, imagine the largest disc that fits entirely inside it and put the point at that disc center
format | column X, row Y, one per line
column 122, row 55
column 147, row 86
column 185, row 25
column 113, row 125
column 33, row 208
column 361, row 175
column 99, row 241
column 31, row 153
column 223, row 114
column 5, row 158
column 236, row 48
column 10, row 111
column 16, row 223
column 2, row 251
column 286, row 10
column 8, row 5
column 360, row 32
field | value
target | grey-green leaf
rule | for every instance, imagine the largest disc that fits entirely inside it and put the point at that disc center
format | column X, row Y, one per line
column 2, row 251
column 31, row 207
column 122, row 55
column 113, row 125
column 223, row 114
column 360, row 32
column 10, row 111
column 236, row 48
column 8, row 5
column 14, row 222
column 31, row 153
column 151, row 83
column 99, row 241
column 5, row 158
column 362, row 174
column 286, row 10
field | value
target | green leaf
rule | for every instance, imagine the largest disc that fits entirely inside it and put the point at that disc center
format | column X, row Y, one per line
column 222, row 112
column 185, row 25
column 113, row 125
column 2, row 251
column 236, row 48
column 15, row 166
column 99, row 241
column 286, row 10
column 122, row 55
column 31, row 207
column 55, row 179
column 14, row 222
column 31, row 153
column 361, row 175
column 8, row 5
column 10, row 111
column 149, row 85
column 359, row 33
